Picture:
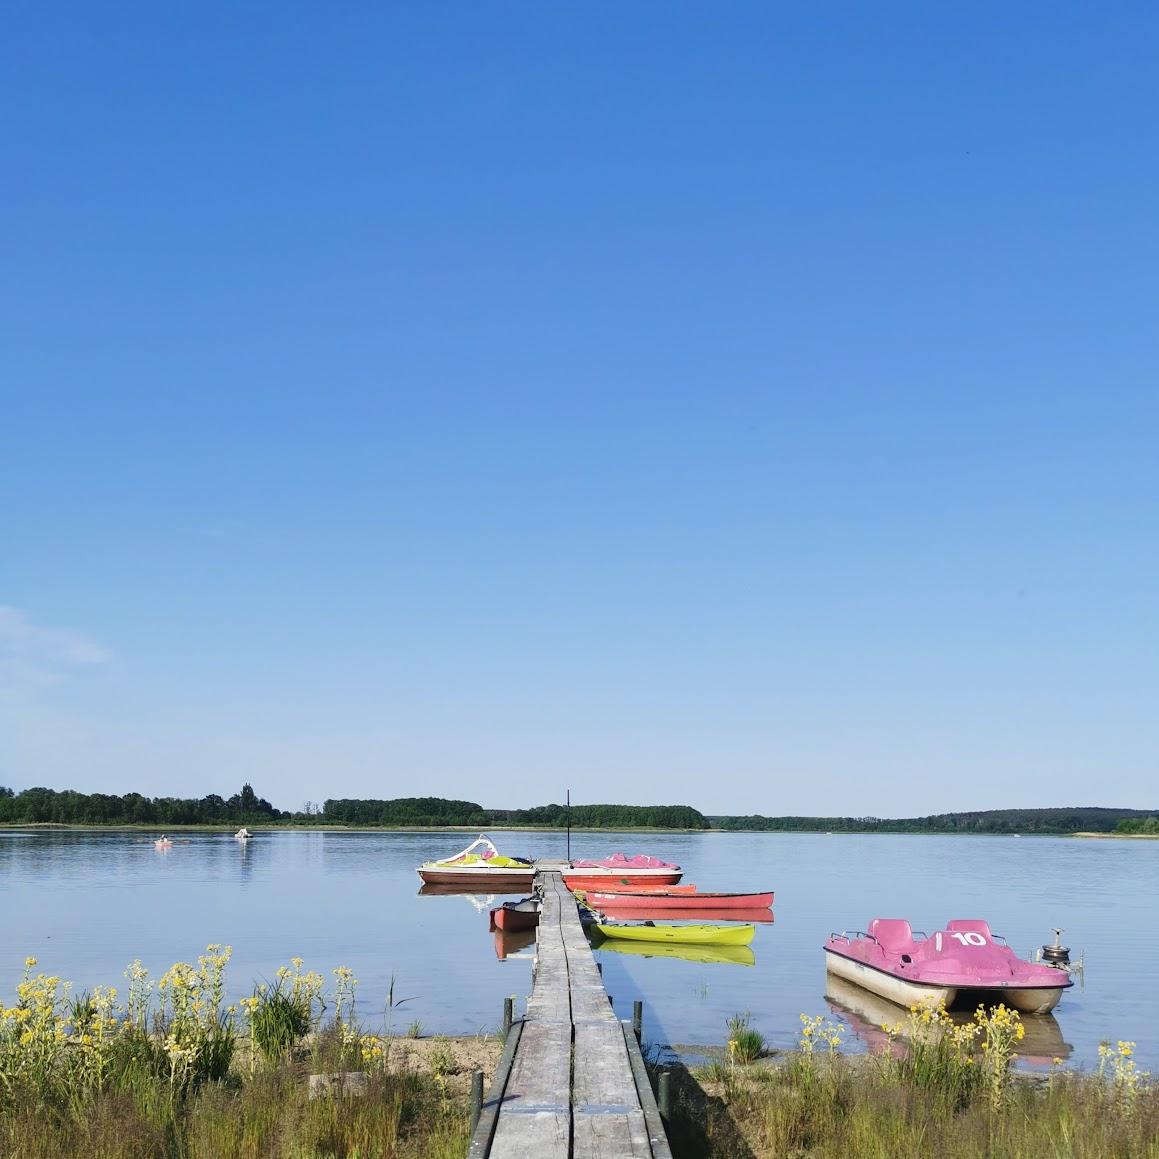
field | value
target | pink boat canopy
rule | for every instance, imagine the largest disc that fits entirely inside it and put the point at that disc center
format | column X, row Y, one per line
column 623, row 861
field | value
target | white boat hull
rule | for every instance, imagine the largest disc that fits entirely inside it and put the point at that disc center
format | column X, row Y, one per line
column 1026, row 1000
column 898, row 990
column 1037, row 1001
column 483, row 876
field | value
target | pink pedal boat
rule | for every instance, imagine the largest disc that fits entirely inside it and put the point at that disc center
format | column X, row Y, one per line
column 963, row 959
column 623, row 870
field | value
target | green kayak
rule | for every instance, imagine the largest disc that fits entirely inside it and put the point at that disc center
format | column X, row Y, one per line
column 687, row 935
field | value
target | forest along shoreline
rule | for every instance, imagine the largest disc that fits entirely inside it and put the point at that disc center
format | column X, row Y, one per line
column 41, row 807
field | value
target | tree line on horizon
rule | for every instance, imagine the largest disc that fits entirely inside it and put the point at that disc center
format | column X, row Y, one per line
column 69, row 807
column 1078, row 819
column 436, row 811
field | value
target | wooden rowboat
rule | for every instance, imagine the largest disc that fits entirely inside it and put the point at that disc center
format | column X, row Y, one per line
column 516, row 915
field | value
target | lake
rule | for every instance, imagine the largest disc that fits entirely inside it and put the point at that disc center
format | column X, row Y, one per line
column 86, row 903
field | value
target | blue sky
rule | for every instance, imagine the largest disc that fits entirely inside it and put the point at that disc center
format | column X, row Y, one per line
column 733, row 405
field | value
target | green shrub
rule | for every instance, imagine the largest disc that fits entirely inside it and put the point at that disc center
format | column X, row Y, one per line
column 277, row 1022
column 744, row 1043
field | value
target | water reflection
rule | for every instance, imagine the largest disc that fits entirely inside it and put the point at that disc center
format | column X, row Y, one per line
column 710, row 916
column 868, row 1014
column 514, row 944
column 480, row 902
column 706, row 955
column 88, row 902
column 441, row 890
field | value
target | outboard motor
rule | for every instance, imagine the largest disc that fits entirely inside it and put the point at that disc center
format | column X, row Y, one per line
column 1056, row 954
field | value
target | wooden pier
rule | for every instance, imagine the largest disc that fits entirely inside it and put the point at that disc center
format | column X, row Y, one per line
column 571, row 1083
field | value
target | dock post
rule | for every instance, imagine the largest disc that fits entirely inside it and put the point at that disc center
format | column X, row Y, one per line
column 665, row 1094
column 638, row 1019
column 508, row 1009
column 476, row 1098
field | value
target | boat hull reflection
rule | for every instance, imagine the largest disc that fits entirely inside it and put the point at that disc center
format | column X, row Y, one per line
column 514, row 944
column 479, row 889
column 642, row 913
column 706, row 955
column 867, row 1013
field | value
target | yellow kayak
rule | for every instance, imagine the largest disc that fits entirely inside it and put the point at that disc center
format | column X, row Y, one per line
column 687, row 935
column 731, row 955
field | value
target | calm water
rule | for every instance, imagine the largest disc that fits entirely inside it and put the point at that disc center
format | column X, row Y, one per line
column 87, row 903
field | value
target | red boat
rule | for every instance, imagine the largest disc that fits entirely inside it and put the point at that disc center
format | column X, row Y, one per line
column 753, row 916
column 602, row 899
column 644, row 890
column 513, row 916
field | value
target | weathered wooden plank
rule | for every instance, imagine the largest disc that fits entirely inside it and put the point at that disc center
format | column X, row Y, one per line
column 549, row 1007
column 569, row 916
column 610, row 1136
column 539, row 1135
column 591, row 1005
column 485, row 1129
column 541, row 1073
column 656, row 1136
column 574, row 1088
column 576, row 947
column 551, row 963
column 602, row 1074
column 582, row 966
column 551, row 993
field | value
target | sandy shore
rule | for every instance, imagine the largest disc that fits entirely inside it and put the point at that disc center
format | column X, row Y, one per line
column 451, row 1059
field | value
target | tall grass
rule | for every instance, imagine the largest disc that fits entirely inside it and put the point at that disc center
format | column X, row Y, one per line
column 155, row 1077
column 951, row 1091
column 744, row 1042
